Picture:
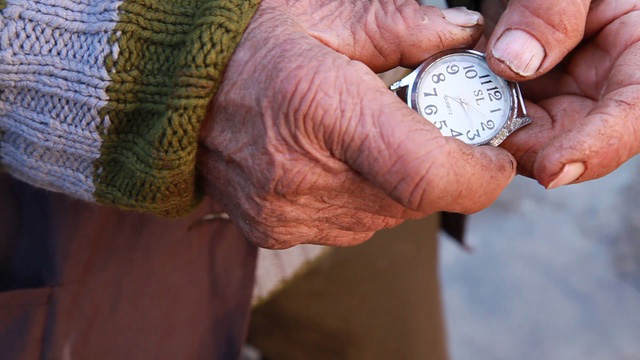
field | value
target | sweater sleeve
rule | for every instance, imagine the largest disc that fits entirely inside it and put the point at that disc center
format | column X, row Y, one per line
column 103, row 99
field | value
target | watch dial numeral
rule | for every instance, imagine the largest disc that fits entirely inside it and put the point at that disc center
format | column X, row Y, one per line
column 453, row 69
column 475, row 135
column 441, row 124
column 435, row 93
column 495, row 95
column 470, row 72
column 431, row 110
column 455, row 133
column 489, row 125
column 496, row 110
column 438, row 78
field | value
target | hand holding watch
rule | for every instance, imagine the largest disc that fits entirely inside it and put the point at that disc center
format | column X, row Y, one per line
column 488, row 108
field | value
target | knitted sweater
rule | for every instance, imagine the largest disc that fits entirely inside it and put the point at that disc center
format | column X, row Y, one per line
column 103, row 99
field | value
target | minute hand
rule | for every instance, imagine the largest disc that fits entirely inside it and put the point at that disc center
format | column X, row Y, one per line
column 478, row 111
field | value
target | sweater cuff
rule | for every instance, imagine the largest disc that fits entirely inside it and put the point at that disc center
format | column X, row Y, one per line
column 104, row 100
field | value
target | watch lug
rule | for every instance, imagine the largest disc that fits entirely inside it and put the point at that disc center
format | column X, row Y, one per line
column 523, row 108
column 404, row 82
column 522, row 118
column 397, row 85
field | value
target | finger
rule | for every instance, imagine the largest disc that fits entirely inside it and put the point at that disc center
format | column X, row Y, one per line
column 588, row 68
column 357, row 195
column 604, row 12
column 609, row 136
column 533, row 36
column 334, row 210
column 384, row 35
column 407, row 157
column 591, row 138
column 550, row 119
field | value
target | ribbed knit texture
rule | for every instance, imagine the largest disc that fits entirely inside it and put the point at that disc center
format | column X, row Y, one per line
column 3, row 4
column 103, row 99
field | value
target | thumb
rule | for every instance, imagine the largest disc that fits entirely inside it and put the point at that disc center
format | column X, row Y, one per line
column 406, row 156
column 533, row 36
column 384, row 35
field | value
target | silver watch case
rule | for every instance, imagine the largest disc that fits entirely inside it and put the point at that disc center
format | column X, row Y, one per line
column 406, row 89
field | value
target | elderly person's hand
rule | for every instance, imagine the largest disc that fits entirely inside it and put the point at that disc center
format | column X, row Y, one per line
column 586, row 109
column 304, row 143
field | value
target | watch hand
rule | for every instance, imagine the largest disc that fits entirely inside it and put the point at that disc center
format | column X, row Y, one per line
column 464, row 107
column 478, row 111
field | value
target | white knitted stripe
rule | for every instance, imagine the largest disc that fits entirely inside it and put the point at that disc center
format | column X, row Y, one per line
column 53, row 83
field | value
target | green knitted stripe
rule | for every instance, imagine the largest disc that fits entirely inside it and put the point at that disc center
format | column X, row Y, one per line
column 170, row 64
column 3, row 4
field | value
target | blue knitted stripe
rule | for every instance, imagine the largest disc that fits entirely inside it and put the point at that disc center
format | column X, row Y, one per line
column 54, row 79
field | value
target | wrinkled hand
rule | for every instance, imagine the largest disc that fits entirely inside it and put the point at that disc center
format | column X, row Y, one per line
column 304, row 143
column 586, row 110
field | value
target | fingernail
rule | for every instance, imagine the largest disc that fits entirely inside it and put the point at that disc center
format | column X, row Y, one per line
column 521, row 52
column 461, row 16
column 514, row 167
column 570, row 173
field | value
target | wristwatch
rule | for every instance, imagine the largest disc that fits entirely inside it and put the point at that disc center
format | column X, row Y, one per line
column 459, row 94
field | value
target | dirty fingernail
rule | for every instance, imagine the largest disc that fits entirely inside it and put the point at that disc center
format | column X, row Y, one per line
column 521, row 52
column 570, row 173
column 461, row 16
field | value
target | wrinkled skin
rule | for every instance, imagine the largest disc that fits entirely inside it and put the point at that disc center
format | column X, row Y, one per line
column 586, row 109
column 304, row 143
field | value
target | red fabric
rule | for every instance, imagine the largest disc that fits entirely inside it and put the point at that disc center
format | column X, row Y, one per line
column 87, row 282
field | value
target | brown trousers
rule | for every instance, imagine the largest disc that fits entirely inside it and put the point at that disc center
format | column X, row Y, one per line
column 79, row 281
column 379, row 300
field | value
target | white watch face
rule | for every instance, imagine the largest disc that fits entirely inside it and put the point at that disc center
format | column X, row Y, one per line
column 463, row 98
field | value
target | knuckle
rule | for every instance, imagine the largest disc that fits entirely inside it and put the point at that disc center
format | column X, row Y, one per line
column 562, row 28
column 306, row 96
column 276, row 223
column 260, row 218
column 381, row 26
column 322, row 105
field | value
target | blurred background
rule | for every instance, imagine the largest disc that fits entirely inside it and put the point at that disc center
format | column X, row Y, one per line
column 554, row 274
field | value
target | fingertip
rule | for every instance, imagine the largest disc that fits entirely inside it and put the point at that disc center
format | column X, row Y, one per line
column 570, row 173
column 502, row 162
column 571, row 158
column 463, row 17
column 438, row 30
column 478, row 183
column 516, row 55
